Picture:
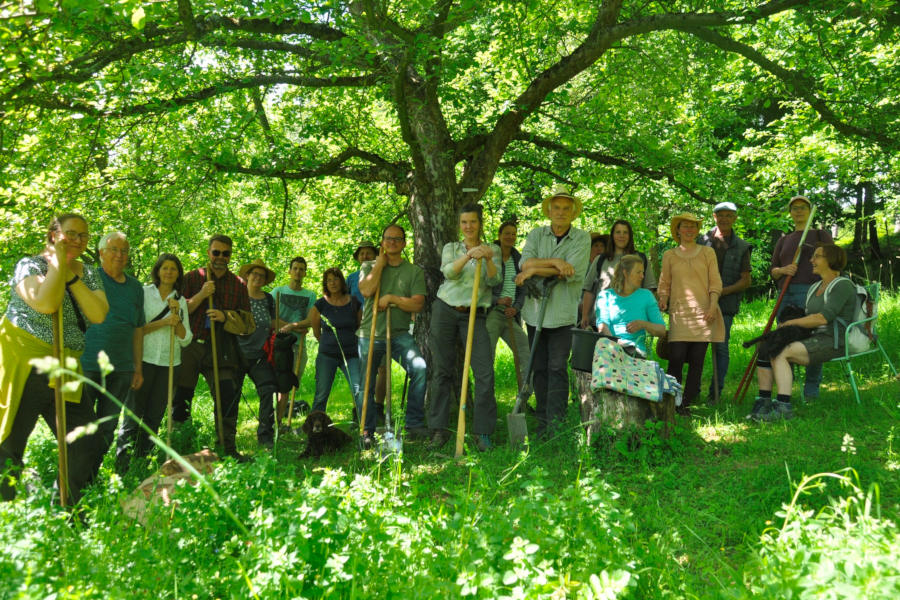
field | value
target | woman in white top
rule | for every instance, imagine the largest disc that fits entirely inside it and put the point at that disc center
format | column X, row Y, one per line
column 165, row 310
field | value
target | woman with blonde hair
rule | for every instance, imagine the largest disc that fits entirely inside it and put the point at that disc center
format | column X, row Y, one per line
column 626, row 309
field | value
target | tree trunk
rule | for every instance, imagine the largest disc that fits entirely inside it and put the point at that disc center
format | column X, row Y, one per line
column 869, row 211
column 859, row 231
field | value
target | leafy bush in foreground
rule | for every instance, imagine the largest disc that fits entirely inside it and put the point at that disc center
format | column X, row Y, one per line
column 332, row 534
column 841, row 551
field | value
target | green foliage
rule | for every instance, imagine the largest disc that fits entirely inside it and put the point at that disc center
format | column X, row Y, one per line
column 843, row 550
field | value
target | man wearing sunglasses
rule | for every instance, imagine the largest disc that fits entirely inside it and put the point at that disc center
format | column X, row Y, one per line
column 230, row 315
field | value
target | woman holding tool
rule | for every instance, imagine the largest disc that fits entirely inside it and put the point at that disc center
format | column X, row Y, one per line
column 689, row 288
column 44, row 285
column 464, row 264
column 166, row 314
column 830, row 305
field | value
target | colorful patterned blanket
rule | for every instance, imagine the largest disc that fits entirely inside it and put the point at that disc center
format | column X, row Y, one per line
column 613, row 369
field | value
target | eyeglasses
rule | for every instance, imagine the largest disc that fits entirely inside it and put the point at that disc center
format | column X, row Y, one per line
column 74, row 235
column 223, row 253
column 122, row 251
column 396, row 240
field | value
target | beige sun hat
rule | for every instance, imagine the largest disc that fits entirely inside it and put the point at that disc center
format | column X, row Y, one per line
column 561, row 191
column 677, row 219
column 257, row 264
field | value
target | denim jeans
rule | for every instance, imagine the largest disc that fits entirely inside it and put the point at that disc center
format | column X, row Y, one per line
column 720, row 354
column 405, row 351
column 796, row 295
column 326, row 368
column 551, row 376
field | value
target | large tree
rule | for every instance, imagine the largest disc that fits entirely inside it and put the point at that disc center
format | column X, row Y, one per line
column 437, row 99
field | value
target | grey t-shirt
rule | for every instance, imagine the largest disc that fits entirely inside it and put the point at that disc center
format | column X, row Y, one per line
column 38, row 324
column 841, row 304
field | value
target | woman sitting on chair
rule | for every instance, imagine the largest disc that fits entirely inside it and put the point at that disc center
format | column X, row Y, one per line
column 628, row 310
column 826, row 343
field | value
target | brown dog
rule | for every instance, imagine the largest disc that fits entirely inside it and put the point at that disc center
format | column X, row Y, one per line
column 322, row 436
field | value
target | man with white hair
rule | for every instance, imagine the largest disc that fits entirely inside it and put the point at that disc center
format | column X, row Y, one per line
column 554, row 250
column 119, row 336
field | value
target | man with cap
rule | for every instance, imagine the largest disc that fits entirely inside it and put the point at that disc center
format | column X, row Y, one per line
column 365, row 252
column 733, row 256
column 554, row 250
column 799, row 209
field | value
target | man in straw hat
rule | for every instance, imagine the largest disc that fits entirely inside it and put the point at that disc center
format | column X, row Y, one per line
column 255, row 363
column 733, row 256
column 554, row 250
column 230, row 315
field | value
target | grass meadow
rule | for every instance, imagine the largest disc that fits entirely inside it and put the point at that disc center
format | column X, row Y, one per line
column 723, row 509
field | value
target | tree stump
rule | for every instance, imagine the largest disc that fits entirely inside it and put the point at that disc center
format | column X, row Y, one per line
column 605, row 407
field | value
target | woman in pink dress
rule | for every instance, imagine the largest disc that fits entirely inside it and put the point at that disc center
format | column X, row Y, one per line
column 689, row 288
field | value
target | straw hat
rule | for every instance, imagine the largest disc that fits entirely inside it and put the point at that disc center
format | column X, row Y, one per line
column 561, row 191
column 677, row 219
column 257, row 264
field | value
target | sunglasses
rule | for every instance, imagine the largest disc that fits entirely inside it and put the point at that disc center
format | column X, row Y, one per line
column 223, row 253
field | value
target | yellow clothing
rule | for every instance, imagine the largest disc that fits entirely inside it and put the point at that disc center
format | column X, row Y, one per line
column 17, row 348
column 688, row 281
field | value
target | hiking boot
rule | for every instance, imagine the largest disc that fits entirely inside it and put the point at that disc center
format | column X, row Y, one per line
column 760, row 405
column 683, row 410
column 417, row 433
column 238, row 457
column 367, row 441
column 439, row 438
column 483, row 442
column 778, row 411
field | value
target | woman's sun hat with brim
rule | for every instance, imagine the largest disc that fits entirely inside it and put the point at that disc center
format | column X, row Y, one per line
column 257, row 264
column 799, row 199
column 677, row 219
column 561, row 191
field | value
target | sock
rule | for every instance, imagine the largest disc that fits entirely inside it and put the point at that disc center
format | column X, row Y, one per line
column 786, row 398
column 765, row 394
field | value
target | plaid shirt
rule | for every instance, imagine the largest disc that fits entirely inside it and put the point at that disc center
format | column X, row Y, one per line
column 231, row 294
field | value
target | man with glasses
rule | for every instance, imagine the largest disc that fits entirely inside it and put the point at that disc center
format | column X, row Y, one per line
column 554, row 250
column 401, row 289
column 119, row 336
column 230, row 315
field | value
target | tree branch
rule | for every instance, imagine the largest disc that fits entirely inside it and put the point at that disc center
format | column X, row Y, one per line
column 614, row 161
column 799, row 84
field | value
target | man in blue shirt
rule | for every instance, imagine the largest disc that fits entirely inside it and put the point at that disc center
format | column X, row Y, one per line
column 119, row 336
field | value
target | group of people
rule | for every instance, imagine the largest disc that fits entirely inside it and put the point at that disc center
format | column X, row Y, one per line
column 219, row 324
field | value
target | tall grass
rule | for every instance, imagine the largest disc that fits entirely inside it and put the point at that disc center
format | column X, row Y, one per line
column 724, row 509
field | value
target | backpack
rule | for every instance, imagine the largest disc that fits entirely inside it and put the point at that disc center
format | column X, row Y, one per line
column 859, row 338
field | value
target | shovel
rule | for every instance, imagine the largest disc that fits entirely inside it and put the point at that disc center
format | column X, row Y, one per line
column 390, row 444
column 515, row 421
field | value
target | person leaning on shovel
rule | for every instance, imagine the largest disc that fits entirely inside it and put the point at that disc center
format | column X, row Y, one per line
column 449, row 324
column 557, row 249
column 220, row 309
column 41, row 285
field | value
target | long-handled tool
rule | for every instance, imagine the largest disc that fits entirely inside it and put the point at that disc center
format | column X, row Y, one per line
column 366, row 387
column 467, row 361
column 60, row 405
column 171, row 390
column 301, row 348
column 215, row 359
column 515, row 421
column 391, row 443
column 744, row 385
